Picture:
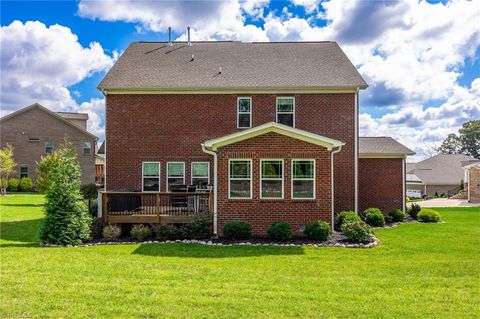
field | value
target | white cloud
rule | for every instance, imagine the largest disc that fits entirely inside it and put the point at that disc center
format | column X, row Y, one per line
column 210, row 20
column 309, row 5
column 40, row 63
column 419, row 128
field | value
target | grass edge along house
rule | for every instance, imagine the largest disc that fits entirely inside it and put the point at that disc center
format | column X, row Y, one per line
column 241, row 131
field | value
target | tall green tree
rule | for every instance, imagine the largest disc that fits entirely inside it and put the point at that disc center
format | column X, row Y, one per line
column 7, row 167
column 67, row 220
column 44, row 168
column 467, row 141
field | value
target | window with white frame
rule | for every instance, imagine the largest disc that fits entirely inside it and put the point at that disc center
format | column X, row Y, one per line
column 271, row 179
column 240, row 179
column 175, row 174
column 23, row 171
column 48, row 147
column 303, row 179
column 286, row 111
column 244, row 112
column 201, row 174
column 87, row 148
column 151, row 176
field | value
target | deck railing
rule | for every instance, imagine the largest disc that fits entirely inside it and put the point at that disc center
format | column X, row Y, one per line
column 160, row 207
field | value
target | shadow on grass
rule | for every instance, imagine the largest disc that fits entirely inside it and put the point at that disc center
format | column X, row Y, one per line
column 25, row 231
column 22, row 205
column 203, row 251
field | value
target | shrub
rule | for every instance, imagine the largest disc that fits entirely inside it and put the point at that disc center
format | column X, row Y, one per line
column 428, row 216
column 93, row 208
column 237, row 230
column 140, row 232
column 199, row 228
column 414, row 210
column 344, row 216
column 397, row 215
column 374, row 217
column 67, row 220
column 25, row 184
column 318, row 230
column 90, row 194
column 44, row 169
column 279, row 230
column 407, row 199
column 111, row 232
column 356, row 231
column 96, row 228
column 13, row 184
column 166, row 231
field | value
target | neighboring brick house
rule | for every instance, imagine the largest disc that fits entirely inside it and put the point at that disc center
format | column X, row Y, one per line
column 35, row 131
column 272, row 126
column 441, row 174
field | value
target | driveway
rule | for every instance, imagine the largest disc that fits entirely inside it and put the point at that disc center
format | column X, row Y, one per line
column 445, row 202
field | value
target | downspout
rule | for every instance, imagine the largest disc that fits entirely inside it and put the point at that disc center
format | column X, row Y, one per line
column 403, row 184
column 215, row 184
column 332, row 185
column 356, row 152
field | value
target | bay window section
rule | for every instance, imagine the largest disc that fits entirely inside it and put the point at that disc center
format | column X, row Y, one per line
column 201, row 174
column 240, row 179
column 175, row 174
column 150, row 176
column 303, row 179
column 286, row 111
column 271, row 179
column 244, row 112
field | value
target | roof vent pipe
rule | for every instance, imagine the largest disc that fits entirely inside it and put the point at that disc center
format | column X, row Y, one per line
column 170, row 36
column 188, row 32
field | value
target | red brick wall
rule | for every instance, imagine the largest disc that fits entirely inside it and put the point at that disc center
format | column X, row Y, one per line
column 172, row 127
column 380, row 183
column 260, row 213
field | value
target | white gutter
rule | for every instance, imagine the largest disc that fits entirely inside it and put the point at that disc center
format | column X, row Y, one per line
column 356, row 152
column 332, row 185
column 215, row 184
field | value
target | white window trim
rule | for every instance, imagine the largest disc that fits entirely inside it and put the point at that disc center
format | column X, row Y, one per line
column 20, row 170
column 307, row 179
column 45, row 147
column 251, row 177
column 159, row 175
column 191, row 171
column 272, row 179
column 166, row 180
column 238, row 112
column 276, row 108
column 89, row 149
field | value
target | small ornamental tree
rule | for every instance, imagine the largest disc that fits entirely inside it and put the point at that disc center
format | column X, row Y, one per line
column 44, row 168
column 66, row 216
column 7, row 167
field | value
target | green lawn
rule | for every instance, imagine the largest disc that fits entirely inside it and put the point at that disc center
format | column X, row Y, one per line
column 418, row 271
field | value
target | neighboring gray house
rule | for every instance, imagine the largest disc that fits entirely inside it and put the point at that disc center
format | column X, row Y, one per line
column 35, row 131
column 441, row 174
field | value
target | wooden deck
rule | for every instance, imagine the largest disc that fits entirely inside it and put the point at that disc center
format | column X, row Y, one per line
column 155, row 208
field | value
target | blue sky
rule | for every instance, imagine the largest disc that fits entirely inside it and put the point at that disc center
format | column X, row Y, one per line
column 420, row 58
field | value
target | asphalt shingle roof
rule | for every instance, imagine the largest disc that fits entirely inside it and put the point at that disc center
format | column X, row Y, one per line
column 382, row 145
column 444, row 169
column 156, row 65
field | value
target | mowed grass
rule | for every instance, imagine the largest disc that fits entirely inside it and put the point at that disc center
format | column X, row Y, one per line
column 418, row 271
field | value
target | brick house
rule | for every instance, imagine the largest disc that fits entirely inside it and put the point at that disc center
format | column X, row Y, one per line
column 472, row 181
column 34, row 131
column 273, row 127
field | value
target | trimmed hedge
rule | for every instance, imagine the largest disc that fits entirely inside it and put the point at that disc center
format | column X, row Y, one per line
column 237, row 229
column 374, row 217
column 317, row 230
column 13, row 184
column 25, row 184
column 356, row 231
column 396, row 215
column 111, row 232
column 280, row 230
column 345, row 215
column 140, row 232
column 427, row 215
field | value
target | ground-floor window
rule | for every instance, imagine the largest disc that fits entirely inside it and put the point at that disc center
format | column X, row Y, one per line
column 240, row 178
column 175, row 174
column 303, row 179
column 151, row 176
column 200, row 174
column 23, row 171
column 271, row 179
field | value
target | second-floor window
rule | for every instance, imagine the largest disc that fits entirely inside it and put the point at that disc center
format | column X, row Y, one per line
column 87, row 148
column 244, row 112
column 286, row 111
column 48, row 147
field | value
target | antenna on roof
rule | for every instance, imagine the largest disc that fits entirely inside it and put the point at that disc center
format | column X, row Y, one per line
column 169, row 36
column 188, row 32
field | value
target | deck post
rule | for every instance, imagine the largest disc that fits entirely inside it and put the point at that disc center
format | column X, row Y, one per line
column 104, row 208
